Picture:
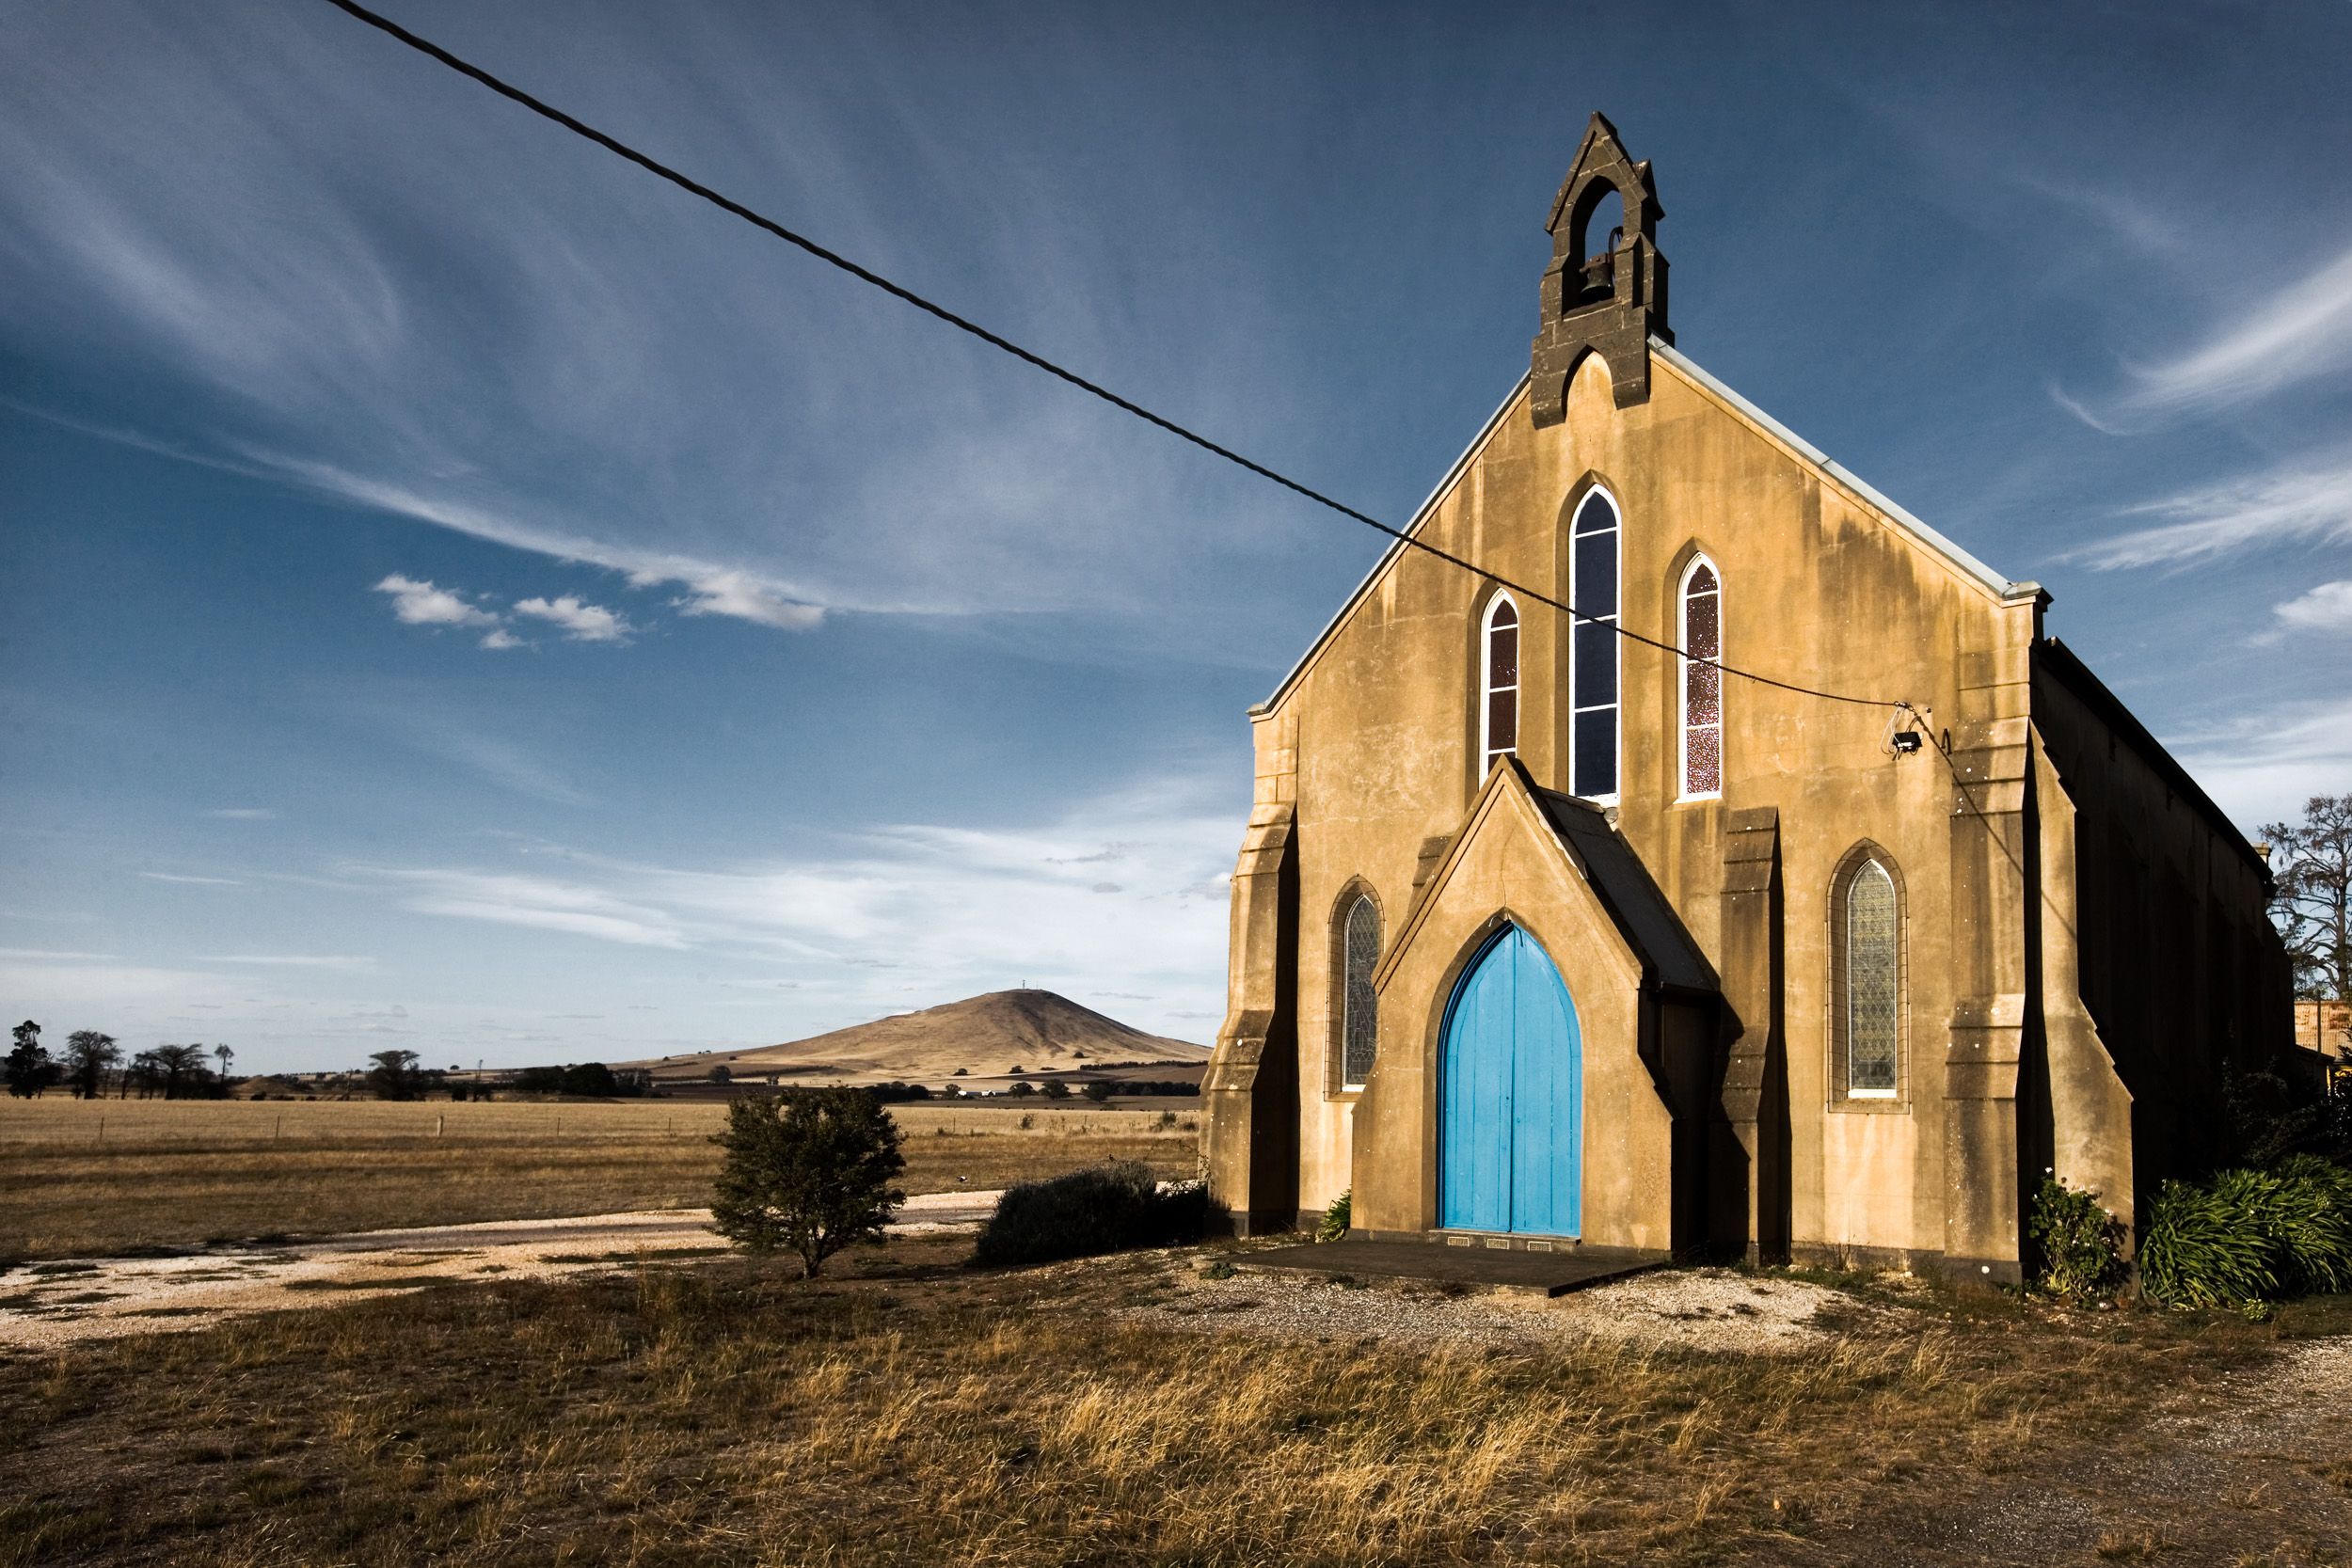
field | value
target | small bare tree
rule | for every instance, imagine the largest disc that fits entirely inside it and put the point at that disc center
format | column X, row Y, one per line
column 2311, row 863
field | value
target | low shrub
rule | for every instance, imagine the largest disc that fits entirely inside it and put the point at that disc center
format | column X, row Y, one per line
column 2082, row 1244
column 1337, row 1218
column 2310, row 1221
column 1106, row 1208
column 2249, row 1234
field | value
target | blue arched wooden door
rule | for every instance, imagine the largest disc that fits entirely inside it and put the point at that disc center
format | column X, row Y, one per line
column 1511, row 1118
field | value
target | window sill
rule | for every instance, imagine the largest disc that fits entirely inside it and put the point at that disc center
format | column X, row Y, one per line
column 1697, row 800
column 1870, row 1105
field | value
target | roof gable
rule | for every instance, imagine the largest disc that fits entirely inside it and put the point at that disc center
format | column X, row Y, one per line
column 1915, row 532
column 1652, row 937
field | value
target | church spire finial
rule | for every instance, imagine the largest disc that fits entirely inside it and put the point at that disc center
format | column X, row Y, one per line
column 1605, row 290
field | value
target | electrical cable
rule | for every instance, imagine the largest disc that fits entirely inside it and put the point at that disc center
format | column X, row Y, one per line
column 623, row 150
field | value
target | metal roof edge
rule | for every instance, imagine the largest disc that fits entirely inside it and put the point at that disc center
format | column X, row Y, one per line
column 1895, row 514
column 1395, row 545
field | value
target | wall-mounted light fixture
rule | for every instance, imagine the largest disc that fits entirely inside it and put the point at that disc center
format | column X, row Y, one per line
column 1907, row 741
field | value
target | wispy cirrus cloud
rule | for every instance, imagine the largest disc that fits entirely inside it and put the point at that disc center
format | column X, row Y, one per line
column 549, row 904
column 290, row 961
column 244, row 814
column 909, row 914
column 2312, row 504
column 200, row 881
column 2301, row 333
column 2263, row 764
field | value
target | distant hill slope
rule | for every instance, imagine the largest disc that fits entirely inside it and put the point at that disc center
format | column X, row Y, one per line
column 985, row 1036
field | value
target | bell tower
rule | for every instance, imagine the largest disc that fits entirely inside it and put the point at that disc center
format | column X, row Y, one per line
column 1605, row 292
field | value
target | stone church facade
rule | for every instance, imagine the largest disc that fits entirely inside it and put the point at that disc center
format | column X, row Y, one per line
column 1557, row 929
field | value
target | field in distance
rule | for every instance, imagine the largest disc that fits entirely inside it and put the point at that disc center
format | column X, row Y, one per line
column 98, row 1177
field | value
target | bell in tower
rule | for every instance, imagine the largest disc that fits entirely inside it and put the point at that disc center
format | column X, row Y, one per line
column 1605, row 292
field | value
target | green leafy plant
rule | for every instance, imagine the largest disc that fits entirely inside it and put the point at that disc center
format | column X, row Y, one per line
column 809, row 1170
column 1335, row 1218
column 2081, row 1241
column 2309, row 1220
column 2249, row 1234
column 2203, row 1248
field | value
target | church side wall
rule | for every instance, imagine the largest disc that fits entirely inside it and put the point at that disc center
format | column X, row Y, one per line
column 2173, row 960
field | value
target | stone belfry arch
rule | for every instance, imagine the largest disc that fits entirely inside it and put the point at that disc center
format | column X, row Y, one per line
column 1599, row 298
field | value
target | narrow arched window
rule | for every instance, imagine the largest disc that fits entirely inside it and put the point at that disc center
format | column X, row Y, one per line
column 1359, row 1008
column 1871, row 999
column 1594, row 652
column 1702, row 681
column 1499, row 719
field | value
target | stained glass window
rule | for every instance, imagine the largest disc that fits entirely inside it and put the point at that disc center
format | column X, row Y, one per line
column 1359, row 1030
column 1702, row 683
column 1592, row 650
column 1872, row 955
column 1502, row 717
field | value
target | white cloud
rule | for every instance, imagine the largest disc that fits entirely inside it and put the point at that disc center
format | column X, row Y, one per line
column 2297, row 335
column 61, row 957
column 2325, row 609
column 738, row 595
column 289, row 960
column 2262, row 765
column 2313, row 504
column 582, row 622
column 205, row 881
column 245, row 814
column 502, row 638
column 421, row 604
column 539, row 901
column 908, row 915
column 716, row 590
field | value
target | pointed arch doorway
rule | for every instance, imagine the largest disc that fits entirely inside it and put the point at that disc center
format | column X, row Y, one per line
column 1511, row 1116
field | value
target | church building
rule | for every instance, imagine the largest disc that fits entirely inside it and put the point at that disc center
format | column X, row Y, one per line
column 1712, row 857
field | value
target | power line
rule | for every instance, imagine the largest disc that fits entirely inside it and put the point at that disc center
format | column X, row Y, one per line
column 623, row 150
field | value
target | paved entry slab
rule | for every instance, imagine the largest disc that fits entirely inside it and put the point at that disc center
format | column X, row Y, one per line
column 1522, row 1273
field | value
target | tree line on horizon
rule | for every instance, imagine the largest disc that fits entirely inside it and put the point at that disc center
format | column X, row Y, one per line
column 93, row 1065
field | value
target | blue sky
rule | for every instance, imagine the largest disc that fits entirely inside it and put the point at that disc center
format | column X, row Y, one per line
column 461, row 594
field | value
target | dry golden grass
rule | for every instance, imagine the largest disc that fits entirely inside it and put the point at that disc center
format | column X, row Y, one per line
column 82, row 1178
column 916, row 1414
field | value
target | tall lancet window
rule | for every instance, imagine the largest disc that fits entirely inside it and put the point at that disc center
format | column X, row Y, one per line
column 1499, row 722
column 1874, row 949
column 1702, row 682
column 1593, row 674
column 1359, row 1007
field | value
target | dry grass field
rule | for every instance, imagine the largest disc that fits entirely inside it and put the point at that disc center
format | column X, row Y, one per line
column 915, row 1412
column 80, row 1179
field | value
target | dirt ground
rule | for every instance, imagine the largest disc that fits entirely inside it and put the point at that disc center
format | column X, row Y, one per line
column 66, row 1300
